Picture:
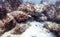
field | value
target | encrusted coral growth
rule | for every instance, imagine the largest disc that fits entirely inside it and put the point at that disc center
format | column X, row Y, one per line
column 16, row 18
column 20, row 16
column 27, row 7
column 54, row 27
column 20, row 28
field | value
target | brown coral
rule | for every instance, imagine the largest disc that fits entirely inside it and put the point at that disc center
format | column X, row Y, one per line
column 2, row 27
column 57, row 14
column 54, row 27
column 20, row 28
column 8, row 7
column 19, row 15
column 27, row 7
column 50, row 12
column 3, row 13
column 14, row 4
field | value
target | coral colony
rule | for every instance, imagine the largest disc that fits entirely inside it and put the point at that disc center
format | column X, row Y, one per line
column 18, row 19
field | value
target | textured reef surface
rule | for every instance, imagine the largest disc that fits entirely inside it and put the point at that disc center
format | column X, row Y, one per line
column 18, row 19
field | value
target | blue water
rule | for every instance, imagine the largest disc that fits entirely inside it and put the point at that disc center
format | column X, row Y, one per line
column 38, row 1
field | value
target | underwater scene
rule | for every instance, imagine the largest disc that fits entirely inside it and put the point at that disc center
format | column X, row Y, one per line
column 29, row 18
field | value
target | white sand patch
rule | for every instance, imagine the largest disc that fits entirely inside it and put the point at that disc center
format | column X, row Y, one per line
column 35, row 30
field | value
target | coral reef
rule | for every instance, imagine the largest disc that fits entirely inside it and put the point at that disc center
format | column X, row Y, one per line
column 19, row 19
column 54, row 27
